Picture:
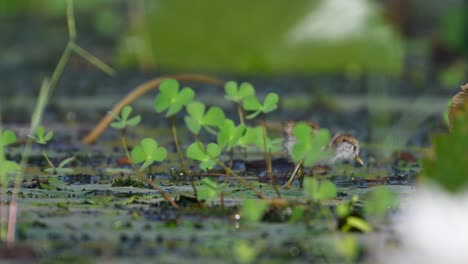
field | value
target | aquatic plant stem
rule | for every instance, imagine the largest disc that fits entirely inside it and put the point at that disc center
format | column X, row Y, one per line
column 48, row 161
column 35, row 121
column 140, row 90
column 181, row 154
column 149, row 181
column 267, row 157
column 46, row 90
column 71, row 21
column 241, row 114
column 293, row 175
column 177, row 144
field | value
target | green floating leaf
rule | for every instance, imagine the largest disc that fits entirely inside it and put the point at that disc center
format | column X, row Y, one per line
column 170, row 99
column 148, row 151
column 237, row 95
column 253, row 210
column 379, row 201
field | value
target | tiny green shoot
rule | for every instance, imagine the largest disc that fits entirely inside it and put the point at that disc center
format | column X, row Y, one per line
column 148, row 152
column 41, row 137
column 60, row 169
column 124, row 120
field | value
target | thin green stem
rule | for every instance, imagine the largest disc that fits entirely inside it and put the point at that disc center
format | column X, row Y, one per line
column 59, row 68
column 46, row 90
column 181, row 155
column 267, row 157
column 176, row 142
column 71, row 21
column 241, row 113
column 92, row 59
column 44, row 93
column 48, row 161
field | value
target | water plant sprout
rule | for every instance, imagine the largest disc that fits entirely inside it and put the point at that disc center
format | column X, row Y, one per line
column 147, row 151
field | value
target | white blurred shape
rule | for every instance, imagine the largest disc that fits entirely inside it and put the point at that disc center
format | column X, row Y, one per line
column 433, row 229
column 333, row 20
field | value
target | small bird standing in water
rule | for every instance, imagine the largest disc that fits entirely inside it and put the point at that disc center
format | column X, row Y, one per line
column 344, row 148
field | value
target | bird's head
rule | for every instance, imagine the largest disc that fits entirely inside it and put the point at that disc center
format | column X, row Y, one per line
column 345, row 148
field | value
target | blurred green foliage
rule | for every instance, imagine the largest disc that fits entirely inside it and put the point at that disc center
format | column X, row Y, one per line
column 237, row 36
column 48, row 7
column 245, row 36
column 448, row 164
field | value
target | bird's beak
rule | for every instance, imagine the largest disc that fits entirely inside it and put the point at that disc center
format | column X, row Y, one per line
column 359, row 160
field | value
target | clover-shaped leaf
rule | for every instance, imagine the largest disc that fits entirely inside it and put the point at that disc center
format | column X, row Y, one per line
column 41, row 137
column 237, row 94
column 207, row 157
column 148, row 151
column 250, row 136
column 310, row 144
column 319, row 191
column 170, row 99
column 7, row 137
column 251, row 103
column 230, row 134
column 123, row 120
column 197, row 117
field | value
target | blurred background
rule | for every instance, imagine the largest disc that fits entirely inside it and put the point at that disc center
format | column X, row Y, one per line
column 382, row 69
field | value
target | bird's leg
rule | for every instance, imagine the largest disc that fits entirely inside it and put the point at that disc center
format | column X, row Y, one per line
column 295, row 171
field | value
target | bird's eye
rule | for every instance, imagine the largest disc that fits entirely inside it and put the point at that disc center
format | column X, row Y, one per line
column 354, row 147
